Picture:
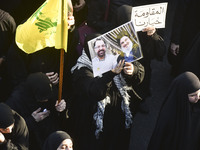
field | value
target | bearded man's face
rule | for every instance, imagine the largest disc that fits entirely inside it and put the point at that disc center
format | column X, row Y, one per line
column 100, row 48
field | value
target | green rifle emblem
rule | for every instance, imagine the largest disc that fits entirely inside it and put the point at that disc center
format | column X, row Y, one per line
column 43, row 25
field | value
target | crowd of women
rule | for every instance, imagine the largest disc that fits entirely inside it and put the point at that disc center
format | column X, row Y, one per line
column 97, row 112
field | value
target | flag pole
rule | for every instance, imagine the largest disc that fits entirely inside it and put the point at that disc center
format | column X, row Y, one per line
column 61, row 75
column 69, row 9
column 61, row 55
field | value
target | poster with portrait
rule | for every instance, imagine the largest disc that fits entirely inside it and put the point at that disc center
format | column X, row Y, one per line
column 149, row 15
column 108, row 49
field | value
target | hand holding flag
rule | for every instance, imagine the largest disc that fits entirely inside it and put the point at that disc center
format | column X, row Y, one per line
column 47, row 27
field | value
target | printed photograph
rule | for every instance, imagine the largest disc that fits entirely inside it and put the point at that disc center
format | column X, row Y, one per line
column 108, row 49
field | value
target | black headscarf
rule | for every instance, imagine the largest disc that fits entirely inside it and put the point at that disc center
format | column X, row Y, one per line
column 55, row 139
column 39, row 85
column 124, row 12
column 177, row 127
column 6, row 116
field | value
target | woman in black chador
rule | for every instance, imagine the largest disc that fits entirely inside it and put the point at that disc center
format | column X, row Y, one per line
column 152, row 46
column 178, row 124
column 58, row 140
column 104, row 106
column 36, row 101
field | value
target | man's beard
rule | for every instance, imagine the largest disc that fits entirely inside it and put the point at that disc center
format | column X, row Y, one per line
column 128, row 49
column 101, row 53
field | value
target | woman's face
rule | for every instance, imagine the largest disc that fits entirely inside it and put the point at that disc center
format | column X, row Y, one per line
column 194, row 97
column 66, row 145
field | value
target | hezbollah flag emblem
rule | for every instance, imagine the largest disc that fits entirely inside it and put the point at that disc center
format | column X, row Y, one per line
column 47, row 27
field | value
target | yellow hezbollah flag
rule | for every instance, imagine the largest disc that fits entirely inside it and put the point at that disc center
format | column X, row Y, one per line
column 47, row 27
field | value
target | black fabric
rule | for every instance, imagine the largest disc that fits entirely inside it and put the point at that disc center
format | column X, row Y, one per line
column 55, row 139
column 20, row 64
column 17, row 69
column 24, row 101
column 177, row 127
column 21, row 9
column 6, row 116
column 18, row 139
column 7, row 32
column 96, row 14
column 153, row 47
column 183, row 31
column 80, row 15
column 97, row 10
column 90, row 90
column 191, row 61
column 40, row 85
